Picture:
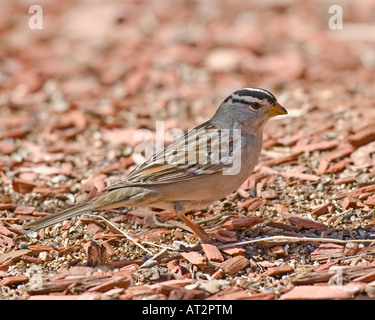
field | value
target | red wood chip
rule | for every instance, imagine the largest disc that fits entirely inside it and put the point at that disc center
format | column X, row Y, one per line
column 248, row 202
column 278, row 250
column 351, row 248
column 339, row 166
column 321, row 292
column 4, row 267
column 327, row 158
column 124, row 263
column 363, row 136
column 242, row 222
column 233, row 293
column 5, row 231
column 174, row 267
column 15, row 133
column 24, row 210
column 327, row 251
column 155, row 235
column 281, row 209
column 324, row 145
column 277, row 271
column 13, row 256
column 307, row 223
column 14, row 280
column 48, row 191
column 7, row 206
column 115, row 282
column 347, row 180
column 325, row 266
column 278, row 160
column 212, row 252
column 356, row 193
column 348, row 202
column 225, row 236
column 30, row 259
column 93, row 228
column 366, row 278
column 195, row 258
column 370, row 201
column 23, row 186
column 290, row 174
column 40, row 248
column 234, row 251
column 95, row 181
column 269, row 194
column 256, row 205
column 218, row 274
column 7, row 147
column 322, row 209
column 364, row 156
column 110, row 251
column 235, row 264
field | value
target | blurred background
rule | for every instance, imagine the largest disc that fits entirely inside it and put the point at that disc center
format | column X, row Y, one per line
column 98, row 70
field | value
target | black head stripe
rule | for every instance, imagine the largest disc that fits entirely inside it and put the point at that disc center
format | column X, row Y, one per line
column 227, row 98
column 256, row 93
column 240, row 101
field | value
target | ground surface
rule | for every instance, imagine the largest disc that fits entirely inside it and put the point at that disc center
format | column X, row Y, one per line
column 73, row 94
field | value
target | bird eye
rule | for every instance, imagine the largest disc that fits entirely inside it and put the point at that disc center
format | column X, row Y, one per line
column 255, row 105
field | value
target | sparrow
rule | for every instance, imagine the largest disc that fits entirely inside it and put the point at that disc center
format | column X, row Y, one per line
column 205, row 165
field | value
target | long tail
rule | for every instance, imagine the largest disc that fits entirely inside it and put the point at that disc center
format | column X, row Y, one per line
column 60, row 216
column 112, row 199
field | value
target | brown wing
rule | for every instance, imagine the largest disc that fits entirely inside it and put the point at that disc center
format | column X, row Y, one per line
column 196, row 153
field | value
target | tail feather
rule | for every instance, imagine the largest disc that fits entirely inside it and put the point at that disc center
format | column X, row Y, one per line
column 59, row 216
column 111, row 199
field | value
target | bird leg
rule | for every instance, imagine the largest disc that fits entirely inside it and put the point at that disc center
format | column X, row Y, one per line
column 198, row 230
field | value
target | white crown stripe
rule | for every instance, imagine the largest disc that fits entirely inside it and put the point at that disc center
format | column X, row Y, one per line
column 245, row 98
column 259, row 90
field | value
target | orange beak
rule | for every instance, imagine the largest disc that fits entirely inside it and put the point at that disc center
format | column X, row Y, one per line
column 277, row 110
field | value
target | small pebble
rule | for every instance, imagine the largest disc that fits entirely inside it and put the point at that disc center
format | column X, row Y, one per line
column 45, row 256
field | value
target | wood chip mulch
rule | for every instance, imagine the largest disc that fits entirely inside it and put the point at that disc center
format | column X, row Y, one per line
column 73, row 94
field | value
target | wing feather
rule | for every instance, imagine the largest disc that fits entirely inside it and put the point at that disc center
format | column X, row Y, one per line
column 195, row 154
